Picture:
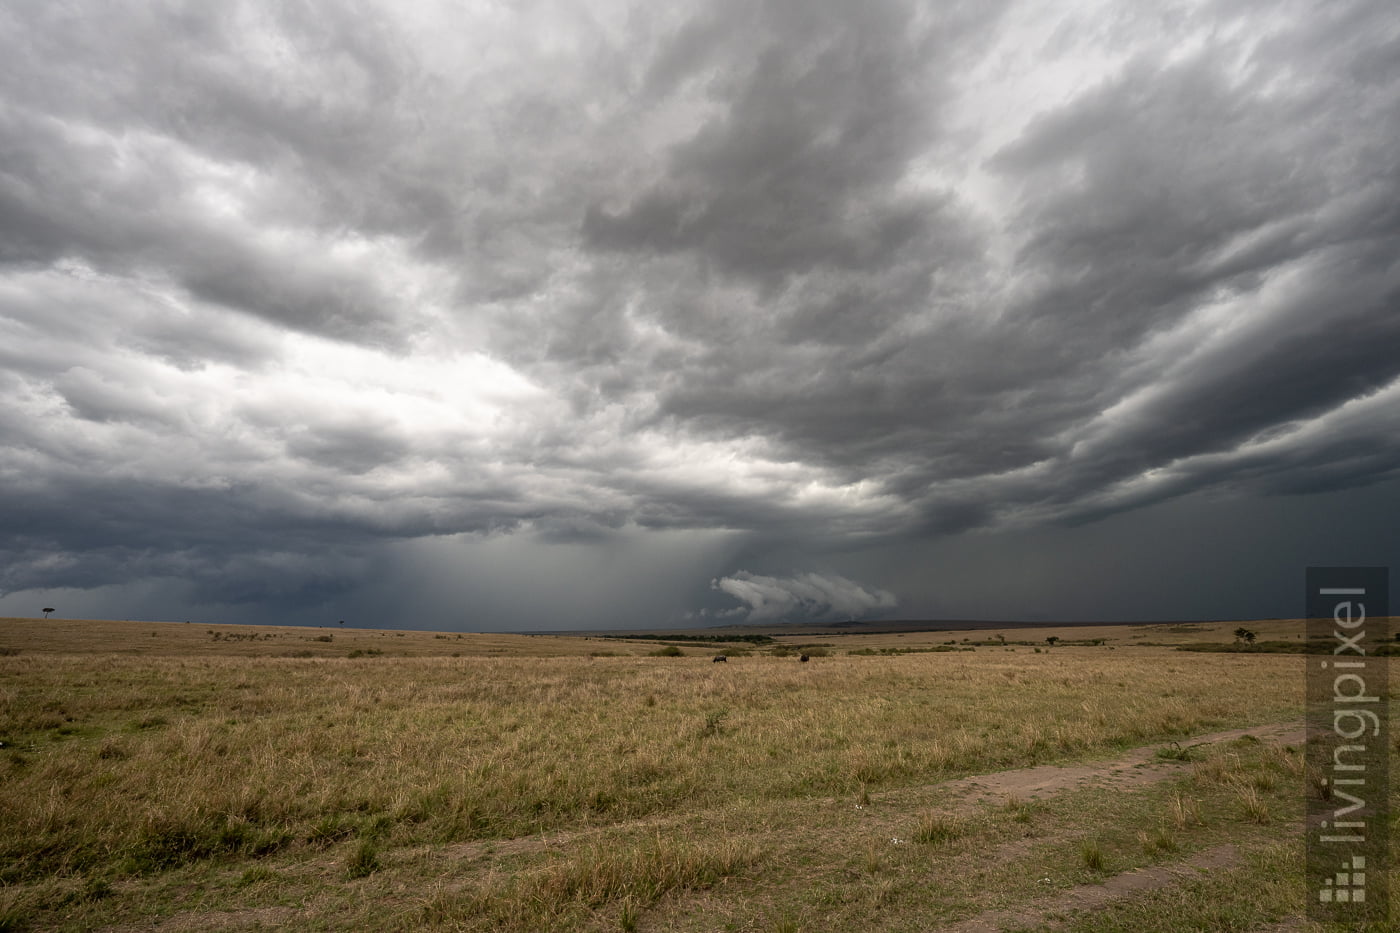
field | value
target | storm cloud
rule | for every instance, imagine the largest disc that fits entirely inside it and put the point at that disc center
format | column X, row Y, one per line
column 805, row 596
column 291, row 299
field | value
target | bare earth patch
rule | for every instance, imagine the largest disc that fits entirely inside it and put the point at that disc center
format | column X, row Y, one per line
column 1137, row 768
column 1090, row 896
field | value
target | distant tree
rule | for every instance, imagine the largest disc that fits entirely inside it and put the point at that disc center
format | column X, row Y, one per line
column 1245, row 635
column 1051, row 639
column 47, row 610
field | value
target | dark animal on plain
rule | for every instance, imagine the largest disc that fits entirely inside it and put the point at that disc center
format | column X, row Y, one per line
column 804, row 659
column 719, row 658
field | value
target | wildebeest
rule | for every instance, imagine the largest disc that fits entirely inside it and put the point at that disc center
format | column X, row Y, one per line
column 719, row 658
column 804, row 659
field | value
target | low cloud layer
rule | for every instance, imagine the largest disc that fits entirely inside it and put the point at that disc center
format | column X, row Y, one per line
column 804, row 596
column 285, row 294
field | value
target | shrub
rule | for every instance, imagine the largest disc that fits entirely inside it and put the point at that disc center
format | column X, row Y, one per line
column 670, row 651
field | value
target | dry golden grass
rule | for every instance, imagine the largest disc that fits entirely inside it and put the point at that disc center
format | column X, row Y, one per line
column 452, row 749
column 166, row 639
column 121, row 768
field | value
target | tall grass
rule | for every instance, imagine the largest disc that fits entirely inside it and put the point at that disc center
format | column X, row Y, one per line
column 133, row 765
column 584, row 880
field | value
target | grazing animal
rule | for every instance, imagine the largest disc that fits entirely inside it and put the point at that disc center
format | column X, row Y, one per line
column 719, row 658
column 804, row 659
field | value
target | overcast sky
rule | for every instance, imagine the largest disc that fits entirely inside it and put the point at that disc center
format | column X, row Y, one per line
column 541, row 315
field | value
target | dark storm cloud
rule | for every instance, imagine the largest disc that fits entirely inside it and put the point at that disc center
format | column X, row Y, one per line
column 820, row 109
column 1144, row 203
column 288, row 296
column 789, row 246
column 86, row 533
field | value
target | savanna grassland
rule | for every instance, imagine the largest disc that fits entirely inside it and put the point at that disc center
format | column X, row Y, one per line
column 178, row 776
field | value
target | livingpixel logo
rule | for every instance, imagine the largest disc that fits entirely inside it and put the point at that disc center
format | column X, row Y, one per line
column 1347, row 886
column 1348, row 726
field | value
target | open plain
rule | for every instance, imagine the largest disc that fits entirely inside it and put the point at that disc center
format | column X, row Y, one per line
column 176, row 776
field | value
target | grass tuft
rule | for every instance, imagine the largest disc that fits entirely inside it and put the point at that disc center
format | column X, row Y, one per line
column 1184, row 812
column 1091, row 854
column 627, row 916
column 938, row 828
column 364, row 860
column 1255, row 807
column 1022, row 811
column 1176, row 752
column 1158, row 842
column 874, row 861
column 258, row 874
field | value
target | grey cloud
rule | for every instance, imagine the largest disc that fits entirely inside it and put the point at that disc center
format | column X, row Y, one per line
column 823, row 106
column 805, row 257
column 149, row 216
column 762, row 270
column 807, row 595
column 1144, row 201
column 352, row 448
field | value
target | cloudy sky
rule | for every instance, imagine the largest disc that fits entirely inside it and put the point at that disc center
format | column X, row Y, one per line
column 492, row 315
